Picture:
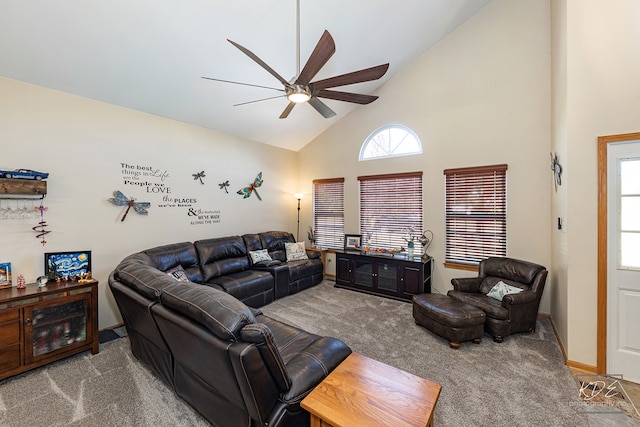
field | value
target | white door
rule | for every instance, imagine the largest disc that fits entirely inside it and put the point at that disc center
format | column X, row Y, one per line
column 623, row 270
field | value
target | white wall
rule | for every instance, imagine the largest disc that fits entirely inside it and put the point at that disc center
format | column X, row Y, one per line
column 82, row 144
column 558, row 279
column 480, row 97
column 603, row 98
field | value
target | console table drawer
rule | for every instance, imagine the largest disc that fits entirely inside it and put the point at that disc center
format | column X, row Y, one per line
column 10, row 357
column 9, row 333
column 7, row 315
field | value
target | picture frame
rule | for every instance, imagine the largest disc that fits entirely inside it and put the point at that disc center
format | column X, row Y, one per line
column 72, row 264
column 352, row 241
column 6, row 280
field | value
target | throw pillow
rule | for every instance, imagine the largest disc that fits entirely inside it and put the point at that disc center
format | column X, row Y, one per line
column 295, row 251
column 177, row 273
column 261, row 255
column 501, row 289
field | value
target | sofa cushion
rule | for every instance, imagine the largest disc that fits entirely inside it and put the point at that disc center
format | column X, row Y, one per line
column 514, row 270
column 295, row 251
column 490, row 282
column 221, row 256
column 501, row 289
column 244, row 284
column 184, row 254
column 259, row 255
column 305, row 268
column 492, row 307
column 252, row 242
column 273, row 242
column 219, row 312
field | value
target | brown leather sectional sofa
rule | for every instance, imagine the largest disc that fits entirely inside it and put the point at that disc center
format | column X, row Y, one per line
column 231, row 363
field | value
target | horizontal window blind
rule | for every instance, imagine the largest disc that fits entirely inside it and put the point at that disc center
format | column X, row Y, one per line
column 328, row 212
column 389, row 205
column 475, row 213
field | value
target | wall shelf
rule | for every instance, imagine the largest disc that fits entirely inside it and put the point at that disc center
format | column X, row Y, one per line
column 12, row 188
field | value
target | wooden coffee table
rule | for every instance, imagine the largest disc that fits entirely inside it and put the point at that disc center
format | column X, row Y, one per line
column 364, row 392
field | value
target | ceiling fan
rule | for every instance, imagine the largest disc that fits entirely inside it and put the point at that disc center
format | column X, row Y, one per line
column 301, row 89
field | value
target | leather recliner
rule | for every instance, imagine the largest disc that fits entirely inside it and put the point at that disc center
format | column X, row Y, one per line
column 516, row 312
column 231, row 363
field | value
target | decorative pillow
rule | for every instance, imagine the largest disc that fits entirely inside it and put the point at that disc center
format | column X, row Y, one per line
column 295, row 251
column 501, row 289
column 177, row 273
column 261, row 255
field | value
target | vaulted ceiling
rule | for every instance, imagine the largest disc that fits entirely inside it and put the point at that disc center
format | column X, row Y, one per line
column 150, row 55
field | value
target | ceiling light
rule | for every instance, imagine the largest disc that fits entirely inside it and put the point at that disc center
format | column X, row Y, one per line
column 298, row 94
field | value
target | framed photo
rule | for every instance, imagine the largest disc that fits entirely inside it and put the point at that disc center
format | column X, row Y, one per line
column 5, row 275
column 352, row 241
column 67, row 264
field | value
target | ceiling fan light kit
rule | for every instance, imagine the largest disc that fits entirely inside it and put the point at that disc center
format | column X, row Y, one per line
column 301, row 89
column 298, row 94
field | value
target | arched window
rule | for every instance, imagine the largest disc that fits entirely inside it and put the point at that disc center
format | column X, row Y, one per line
column 390, row 141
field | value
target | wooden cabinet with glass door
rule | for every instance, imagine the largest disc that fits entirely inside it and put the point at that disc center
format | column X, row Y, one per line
column 42, row 325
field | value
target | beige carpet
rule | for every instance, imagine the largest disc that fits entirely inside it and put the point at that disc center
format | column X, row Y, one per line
column 521, row 382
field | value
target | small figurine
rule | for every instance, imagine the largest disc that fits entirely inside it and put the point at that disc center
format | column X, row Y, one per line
column 85, row 278
column 21, row 282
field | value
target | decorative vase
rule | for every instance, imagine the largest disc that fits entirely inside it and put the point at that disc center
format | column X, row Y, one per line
column 410, row 246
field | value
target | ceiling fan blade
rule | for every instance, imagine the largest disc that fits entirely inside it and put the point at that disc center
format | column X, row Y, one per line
column 244, row 84
column 321, row 108
column 260, row 62
column 356, row 98
column 365, row 75
column 287, row 110
column 325, row 48
column 258, row 100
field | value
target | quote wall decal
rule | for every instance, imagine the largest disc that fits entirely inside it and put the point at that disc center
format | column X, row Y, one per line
column 162, row 189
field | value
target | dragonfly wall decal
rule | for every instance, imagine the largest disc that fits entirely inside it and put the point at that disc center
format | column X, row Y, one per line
column 224, row 185
column 246, row 191
column 199, row 176
column 120, row 199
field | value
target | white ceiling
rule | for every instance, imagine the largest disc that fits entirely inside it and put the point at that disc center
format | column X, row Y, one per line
column 150, row 55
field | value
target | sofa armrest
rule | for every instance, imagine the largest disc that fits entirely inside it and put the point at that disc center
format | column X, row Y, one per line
column 260, row 335
column 311, row 365
column 313, row 254
column 523, row 297
column 467, row 284
column 280, row 273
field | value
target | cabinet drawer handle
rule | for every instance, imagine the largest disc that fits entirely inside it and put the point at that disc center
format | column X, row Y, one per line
column 28, row 321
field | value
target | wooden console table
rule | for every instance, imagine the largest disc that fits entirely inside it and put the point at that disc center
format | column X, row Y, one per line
column 42, row 325
column 364, row 392
column 399, row 277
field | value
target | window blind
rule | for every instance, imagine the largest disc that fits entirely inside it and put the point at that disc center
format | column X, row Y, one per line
column 389, row 206
column 475, row 213
column 328, row 212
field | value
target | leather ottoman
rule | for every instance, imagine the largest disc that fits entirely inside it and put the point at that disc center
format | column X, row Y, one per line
column 449, row 318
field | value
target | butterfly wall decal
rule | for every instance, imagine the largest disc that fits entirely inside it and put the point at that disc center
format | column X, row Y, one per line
column 199, row 176
column 120, row 199
column 246, row 191
column 224, row 185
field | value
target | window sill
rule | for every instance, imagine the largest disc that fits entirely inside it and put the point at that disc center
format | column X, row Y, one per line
column 460, row 266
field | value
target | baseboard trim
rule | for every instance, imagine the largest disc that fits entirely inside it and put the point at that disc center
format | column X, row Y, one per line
column 578, row 367
column 582, row 367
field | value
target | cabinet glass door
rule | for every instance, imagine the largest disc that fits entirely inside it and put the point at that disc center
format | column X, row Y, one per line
column 56, row 326
column 387, row 277
column 363, row 272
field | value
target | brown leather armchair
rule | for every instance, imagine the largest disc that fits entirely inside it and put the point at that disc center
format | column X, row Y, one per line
column 516, row 312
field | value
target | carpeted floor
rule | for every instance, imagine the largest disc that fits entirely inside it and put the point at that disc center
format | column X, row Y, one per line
column 521, row 382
